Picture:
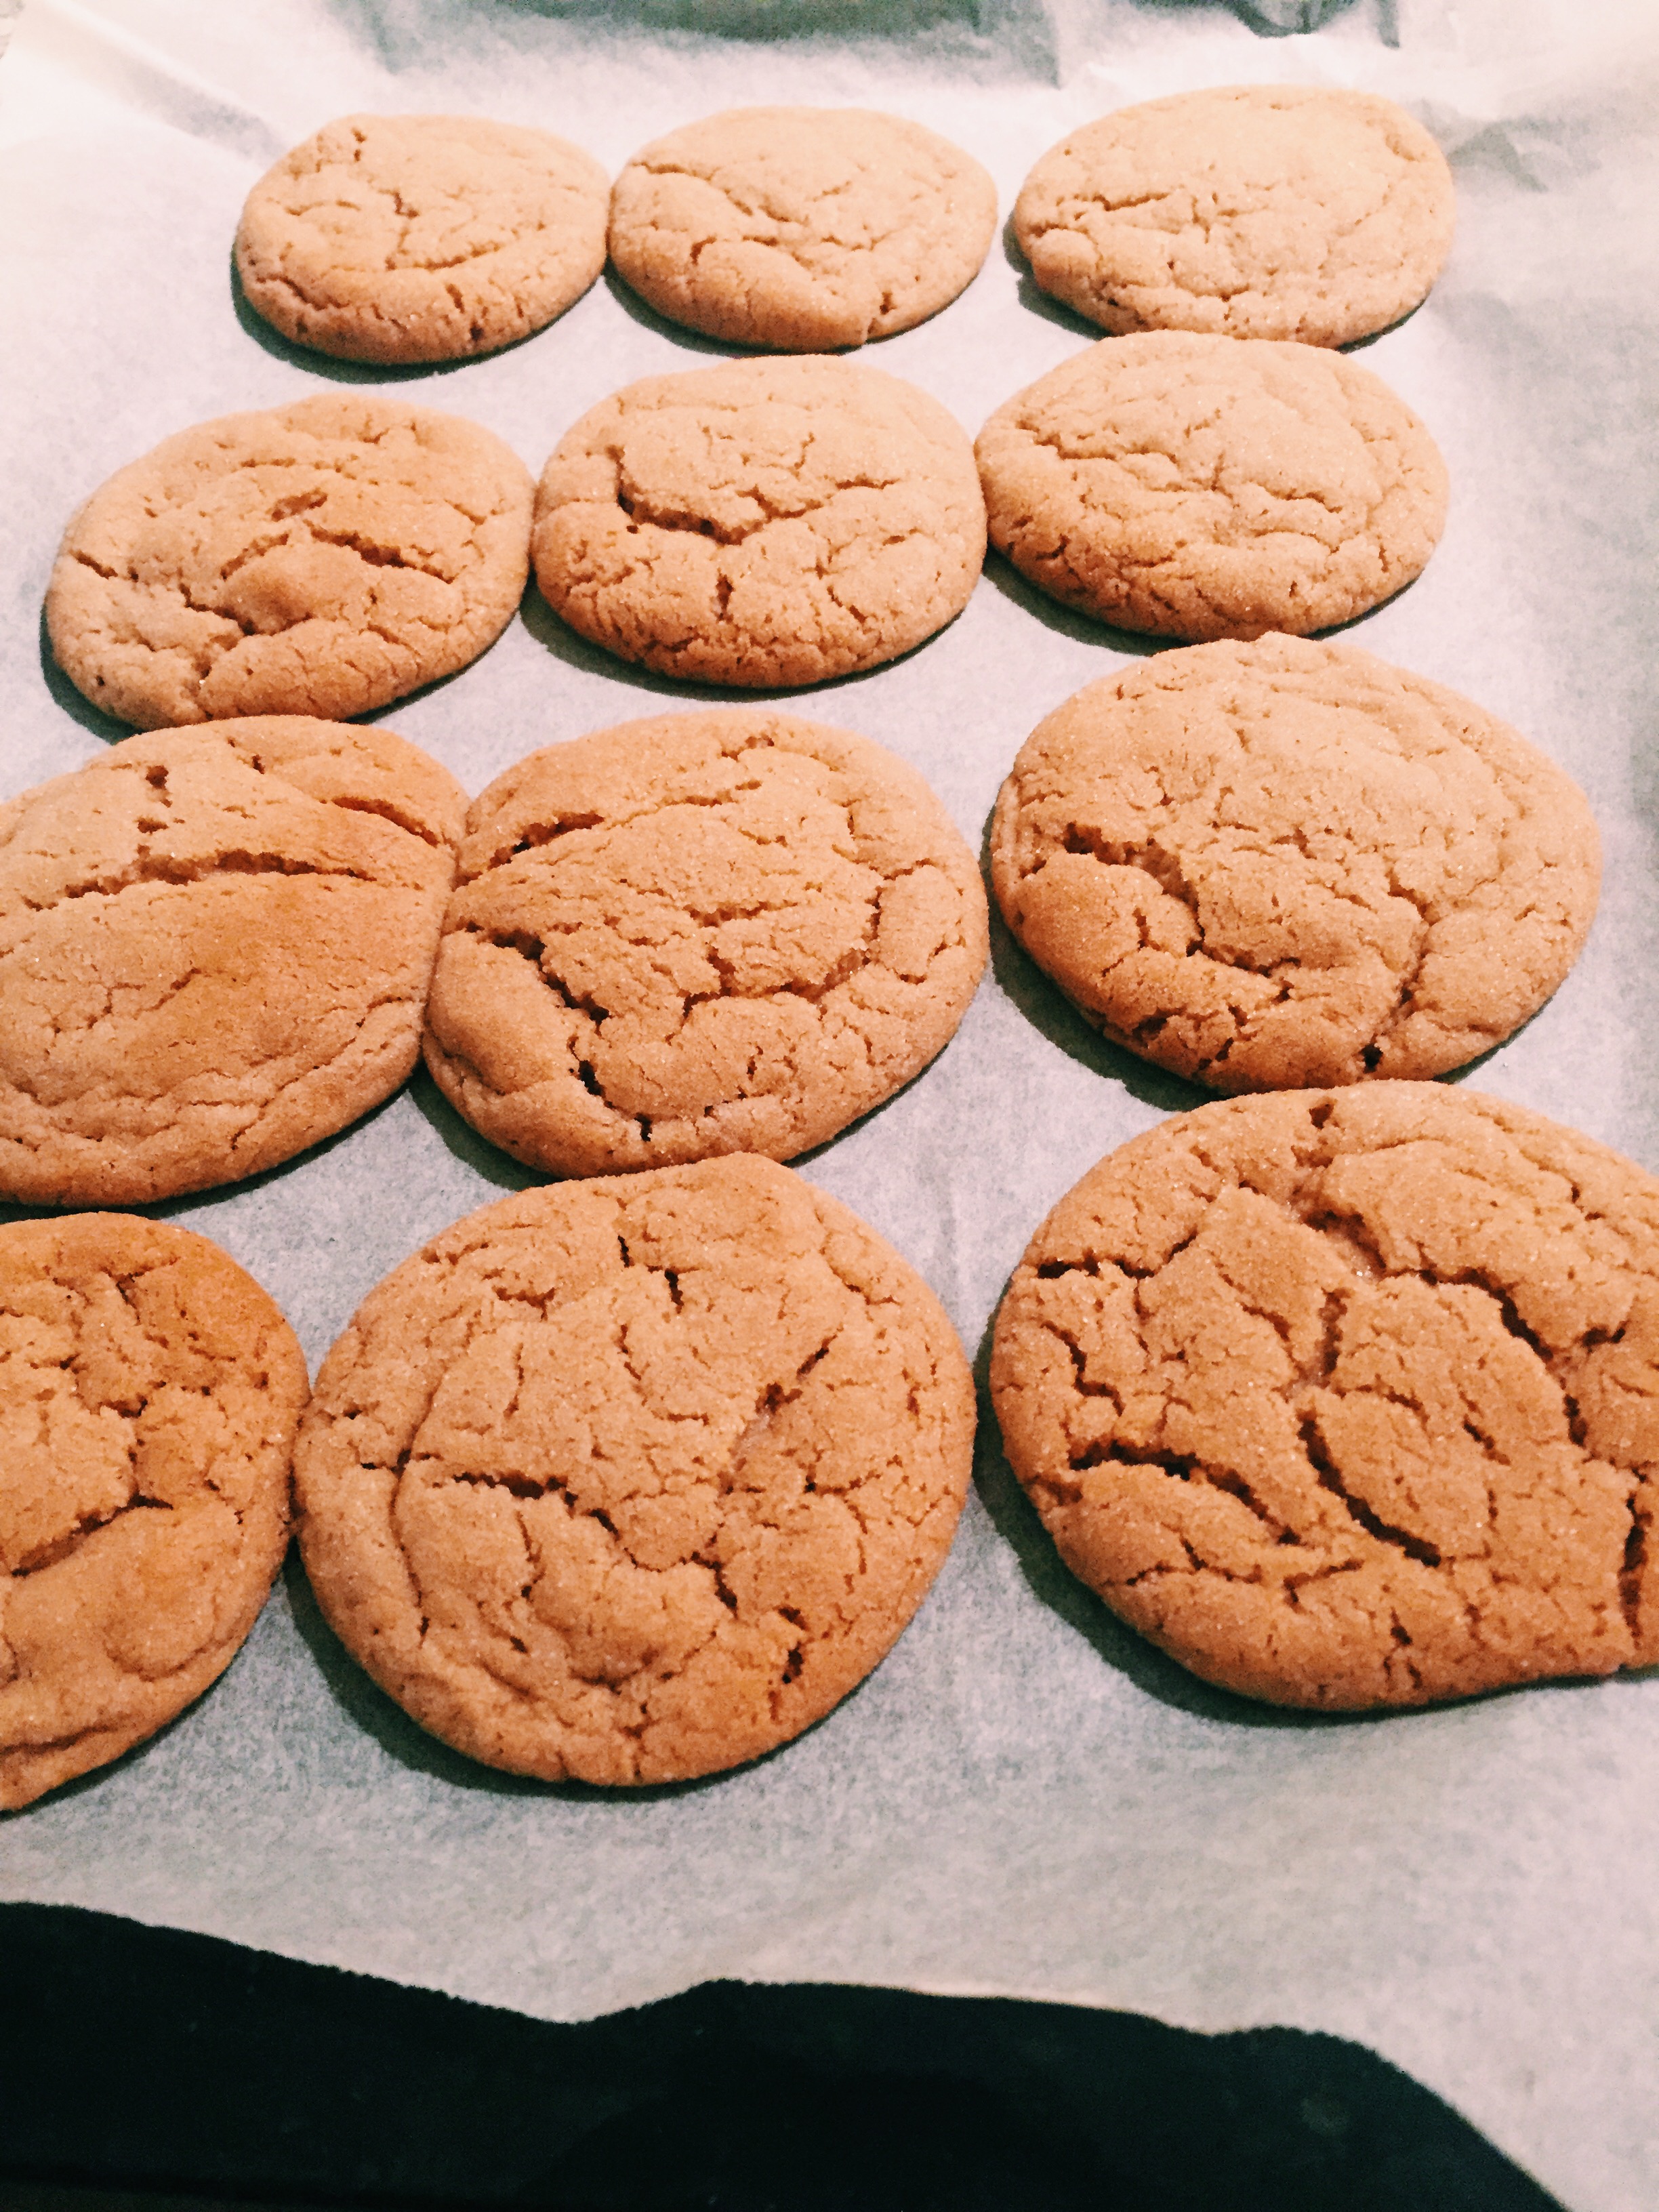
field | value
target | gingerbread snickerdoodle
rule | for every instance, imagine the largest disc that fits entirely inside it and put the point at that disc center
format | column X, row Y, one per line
column 150, row 1392
column 800, row 229
column 765, row 523
column 1251, row 211
column 632, row 1480
column 324, row 558
column 1285, row 863
column 1204, row 488
column 1347, row 1398
column 214, row 948
column 723, row 932
column 419, row 238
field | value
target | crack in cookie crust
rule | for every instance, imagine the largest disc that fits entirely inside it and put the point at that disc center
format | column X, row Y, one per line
column 214, row 948
column 321, row 559
column 1350, row 1398
column 149, row 1396
column 801, row 229
column 1205, row 488
column 415, row 238
column 633, row 1479
column 765, row 523
column 1280, row 211
column 1285, row 863
column 728, row 932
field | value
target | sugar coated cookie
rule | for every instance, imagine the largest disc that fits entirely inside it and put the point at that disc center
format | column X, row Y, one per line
column 1350, row 1398
column 320, row 559
column 715, row 933
column 1253, row 211
column 410, row 238
column 214, row 948
column 1212, row 487
column 632, row 1480
column 765, row 523
column 149, row 1396
column 1286, row 863
column 801, row 229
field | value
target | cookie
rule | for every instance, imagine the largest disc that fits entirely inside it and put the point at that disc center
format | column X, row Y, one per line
column 765, row 523
column 1209, row 487
column 412, row 238
column 321, row 559
column 800, row 229
column 1347, row 1398
column 215, row 949
column 1251, row 211
column 150, row 1392
column 632, row 1480
column 717, row 932
column 1286, row 863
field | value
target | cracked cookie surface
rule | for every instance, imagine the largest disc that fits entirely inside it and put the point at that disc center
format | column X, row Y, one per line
column 150, row 1391
column 631, row 1480
column 1253, row 211
column 214, row 948
column 320, row 559
column 1205, row 488
column 801, row 229
column 1350, row 1398
column 1287, row 863
column 412, row 238
column 766, row 523
column 703, row 934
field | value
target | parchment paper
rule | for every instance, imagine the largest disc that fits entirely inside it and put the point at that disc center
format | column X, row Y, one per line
column 1023, row 1800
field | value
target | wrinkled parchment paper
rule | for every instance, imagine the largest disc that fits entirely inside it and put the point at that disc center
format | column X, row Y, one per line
column 1023, row 1800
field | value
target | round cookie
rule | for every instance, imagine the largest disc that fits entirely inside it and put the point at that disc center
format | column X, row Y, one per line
column 1209, row 487
column 150, row 1392
column 1347, row 1399
column 632, row 1480
column 765, row 523
column 214, row 948
column 412, row 238
column 703, row 934
column 1285, row 863
column 801, row 229
column 1252, row 211
column 320, row 559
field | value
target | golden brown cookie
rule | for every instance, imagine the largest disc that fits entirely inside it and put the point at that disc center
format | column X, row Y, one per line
column 150, row 1392
column 1212, row 486
column 632, row 1480
column 214, row 948
column 1348, row 1398
column 1285, row 863
column 1254, row 211
column 716, row 932
column 322, row 559
column 764, row 523
column 410, row 238
column 801, row 229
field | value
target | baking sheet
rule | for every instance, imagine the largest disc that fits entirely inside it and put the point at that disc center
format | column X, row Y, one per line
column 1023, row 1800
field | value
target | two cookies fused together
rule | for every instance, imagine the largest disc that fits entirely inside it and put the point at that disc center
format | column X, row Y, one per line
column 628, row 1481
column 768, row 523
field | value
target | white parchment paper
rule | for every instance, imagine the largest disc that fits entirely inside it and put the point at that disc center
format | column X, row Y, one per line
column 1023, row 1800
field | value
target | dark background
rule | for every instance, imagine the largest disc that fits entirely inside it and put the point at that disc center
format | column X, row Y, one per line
column 140, row 2067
